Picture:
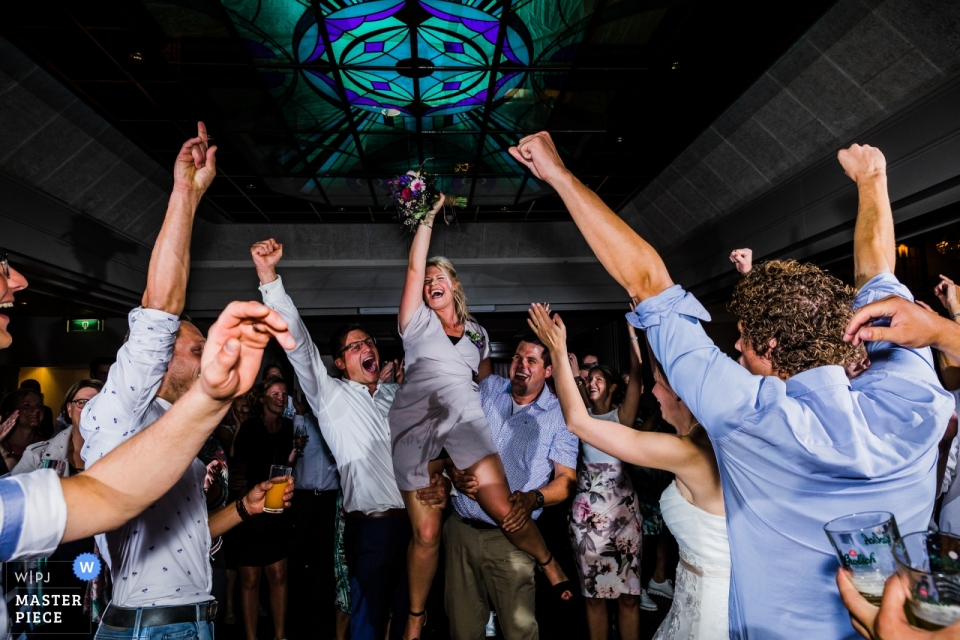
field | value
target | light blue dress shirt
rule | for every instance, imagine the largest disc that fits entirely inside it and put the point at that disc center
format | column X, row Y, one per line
column 796, row 454
column 316, row 469
column 529, row 442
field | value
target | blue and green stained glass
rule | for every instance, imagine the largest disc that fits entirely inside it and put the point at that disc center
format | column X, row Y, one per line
column 357, row 80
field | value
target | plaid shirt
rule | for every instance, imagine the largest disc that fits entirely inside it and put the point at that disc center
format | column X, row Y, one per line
column 529, row 441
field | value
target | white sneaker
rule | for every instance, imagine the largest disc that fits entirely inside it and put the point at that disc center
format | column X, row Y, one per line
column 646, row 603
column 491, row 628
column 664, row 588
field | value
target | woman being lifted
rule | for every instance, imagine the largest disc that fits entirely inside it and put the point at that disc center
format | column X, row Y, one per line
column 437, row 414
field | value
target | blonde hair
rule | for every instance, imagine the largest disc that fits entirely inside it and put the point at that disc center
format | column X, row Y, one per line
column 459, row 297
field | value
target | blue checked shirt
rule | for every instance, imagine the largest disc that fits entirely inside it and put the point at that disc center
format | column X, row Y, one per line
column 529, row 441
column 795, row 454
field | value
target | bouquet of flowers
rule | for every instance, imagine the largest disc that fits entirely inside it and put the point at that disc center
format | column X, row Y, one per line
column 414, row 194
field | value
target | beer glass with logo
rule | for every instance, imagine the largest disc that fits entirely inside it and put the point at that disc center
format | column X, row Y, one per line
column 279, row 475
column 929, row 565
column 864, row 544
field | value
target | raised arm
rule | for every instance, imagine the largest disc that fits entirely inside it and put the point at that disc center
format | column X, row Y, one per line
column 305, row 357
column 627, row 413
column 626, row 256
column 193, row 172
column 141, row 470
column 874, row 243
column 656, row 450
column 949, row 295
column 417, row 268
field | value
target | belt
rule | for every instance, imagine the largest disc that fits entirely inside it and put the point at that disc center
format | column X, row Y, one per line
column 315, row 492
column 116, row 616
column 477, row 524
column 389, row 513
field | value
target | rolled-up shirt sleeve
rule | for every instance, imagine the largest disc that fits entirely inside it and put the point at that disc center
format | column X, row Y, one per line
column 33, row 515
column 877, row 288
column 113, row 415
column 720, row 392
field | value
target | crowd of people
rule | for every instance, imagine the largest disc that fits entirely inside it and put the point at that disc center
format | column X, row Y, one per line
column 163, row 462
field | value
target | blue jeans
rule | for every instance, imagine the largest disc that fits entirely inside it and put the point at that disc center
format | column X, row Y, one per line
column 179, row 631
column 376, row 550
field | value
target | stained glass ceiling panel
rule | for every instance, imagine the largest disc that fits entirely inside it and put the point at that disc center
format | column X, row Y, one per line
column 421, row 68
column 315, row 103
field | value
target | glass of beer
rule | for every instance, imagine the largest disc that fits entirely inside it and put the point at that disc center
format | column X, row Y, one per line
column 864, row 544
column 279, row 475
column 929, row 564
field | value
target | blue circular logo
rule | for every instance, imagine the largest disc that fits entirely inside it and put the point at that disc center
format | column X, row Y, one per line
column 87, row 566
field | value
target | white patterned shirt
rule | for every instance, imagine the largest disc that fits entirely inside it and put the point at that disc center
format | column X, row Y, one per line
column 530, row 441
column 161, row 557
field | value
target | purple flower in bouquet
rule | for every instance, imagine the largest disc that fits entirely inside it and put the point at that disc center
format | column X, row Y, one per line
column 414, row 194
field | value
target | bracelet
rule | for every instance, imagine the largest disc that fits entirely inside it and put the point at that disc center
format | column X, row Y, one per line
column 242, row 510
column 634, row 338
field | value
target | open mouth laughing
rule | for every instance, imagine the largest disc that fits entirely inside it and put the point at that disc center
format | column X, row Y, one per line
column 369, row 364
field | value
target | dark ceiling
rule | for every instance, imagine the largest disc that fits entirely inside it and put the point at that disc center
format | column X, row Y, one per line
column 315, row 104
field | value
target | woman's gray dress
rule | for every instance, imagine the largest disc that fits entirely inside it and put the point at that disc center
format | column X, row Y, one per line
column 438, row 405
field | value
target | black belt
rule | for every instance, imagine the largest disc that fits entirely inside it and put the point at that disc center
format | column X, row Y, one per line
column 478, row 524
column 116, row 616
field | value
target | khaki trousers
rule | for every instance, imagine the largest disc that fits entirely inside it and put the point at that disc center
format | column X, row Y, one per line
column 482, row 563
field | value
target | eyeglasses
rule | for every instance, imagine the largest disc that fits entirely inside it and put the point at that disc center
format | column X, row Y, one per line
column 81, row 403
column 354, row 347
column 5, row 264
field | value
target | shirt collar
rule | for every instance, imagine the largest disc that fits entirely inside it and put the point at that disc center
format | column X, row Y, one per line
column 542, row 401
column 163, row 403
column 817, row 378
column 362, row 387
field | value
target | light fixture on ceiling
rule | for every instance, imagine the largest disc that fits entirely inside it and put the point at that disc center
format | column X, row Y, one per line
column 390, row 113
column 343, row 209
column 504, row 208
column 137, row 56
column 251, row 186
column 619, row 138
column 675, row 65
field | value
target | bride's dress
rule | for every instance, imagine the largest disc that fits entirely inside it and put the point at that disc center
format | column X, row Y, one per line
column 699, row 608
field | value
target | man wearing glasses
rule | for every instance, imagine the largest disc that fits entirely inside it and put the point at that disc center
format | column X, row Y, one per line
column 352, row 415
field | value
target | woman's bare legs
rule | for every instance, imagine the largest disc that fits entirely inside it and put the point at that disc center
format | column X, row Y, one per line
column 629, row 616
column 492, row 494
column 423, row 553
column 597, row 622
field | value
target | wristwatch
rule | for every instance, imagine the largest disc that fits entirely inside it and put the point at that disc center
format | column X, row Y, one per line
column 539, row 496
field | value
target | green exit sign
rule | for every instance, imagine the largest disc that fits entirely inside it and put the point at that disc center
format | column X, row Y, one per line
column 84, row 325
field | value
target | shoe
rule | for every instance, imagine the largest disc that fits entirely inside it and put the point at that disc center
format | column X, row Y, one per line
column 491, row 631
column 646, row 603
column 664, row 589
column 420, row 614
column 557, row 590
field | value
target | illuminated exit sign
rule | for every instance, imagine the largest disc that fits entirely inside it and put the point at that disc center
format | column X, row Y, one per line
column 84, row 325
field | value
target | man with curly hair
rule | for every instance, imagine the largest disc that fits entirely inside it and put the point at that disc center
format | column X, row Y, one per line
column 797, row 442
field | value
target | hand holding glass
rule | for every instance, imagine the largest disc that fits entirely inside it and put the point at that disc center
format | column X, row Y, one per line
column 864, row 544
column 279, row 475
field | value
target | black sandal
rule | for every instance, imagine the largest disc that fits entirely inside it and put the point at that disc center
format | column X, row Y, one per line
column 557, row 590
column 420, row 614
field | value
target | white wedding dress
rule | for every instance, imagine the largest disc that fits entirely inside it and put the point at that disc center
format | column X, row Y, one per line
column 699, row 608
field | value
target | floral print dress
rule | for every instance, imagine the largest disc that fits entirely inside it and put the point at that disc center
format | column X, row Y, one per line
column 605, row 525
